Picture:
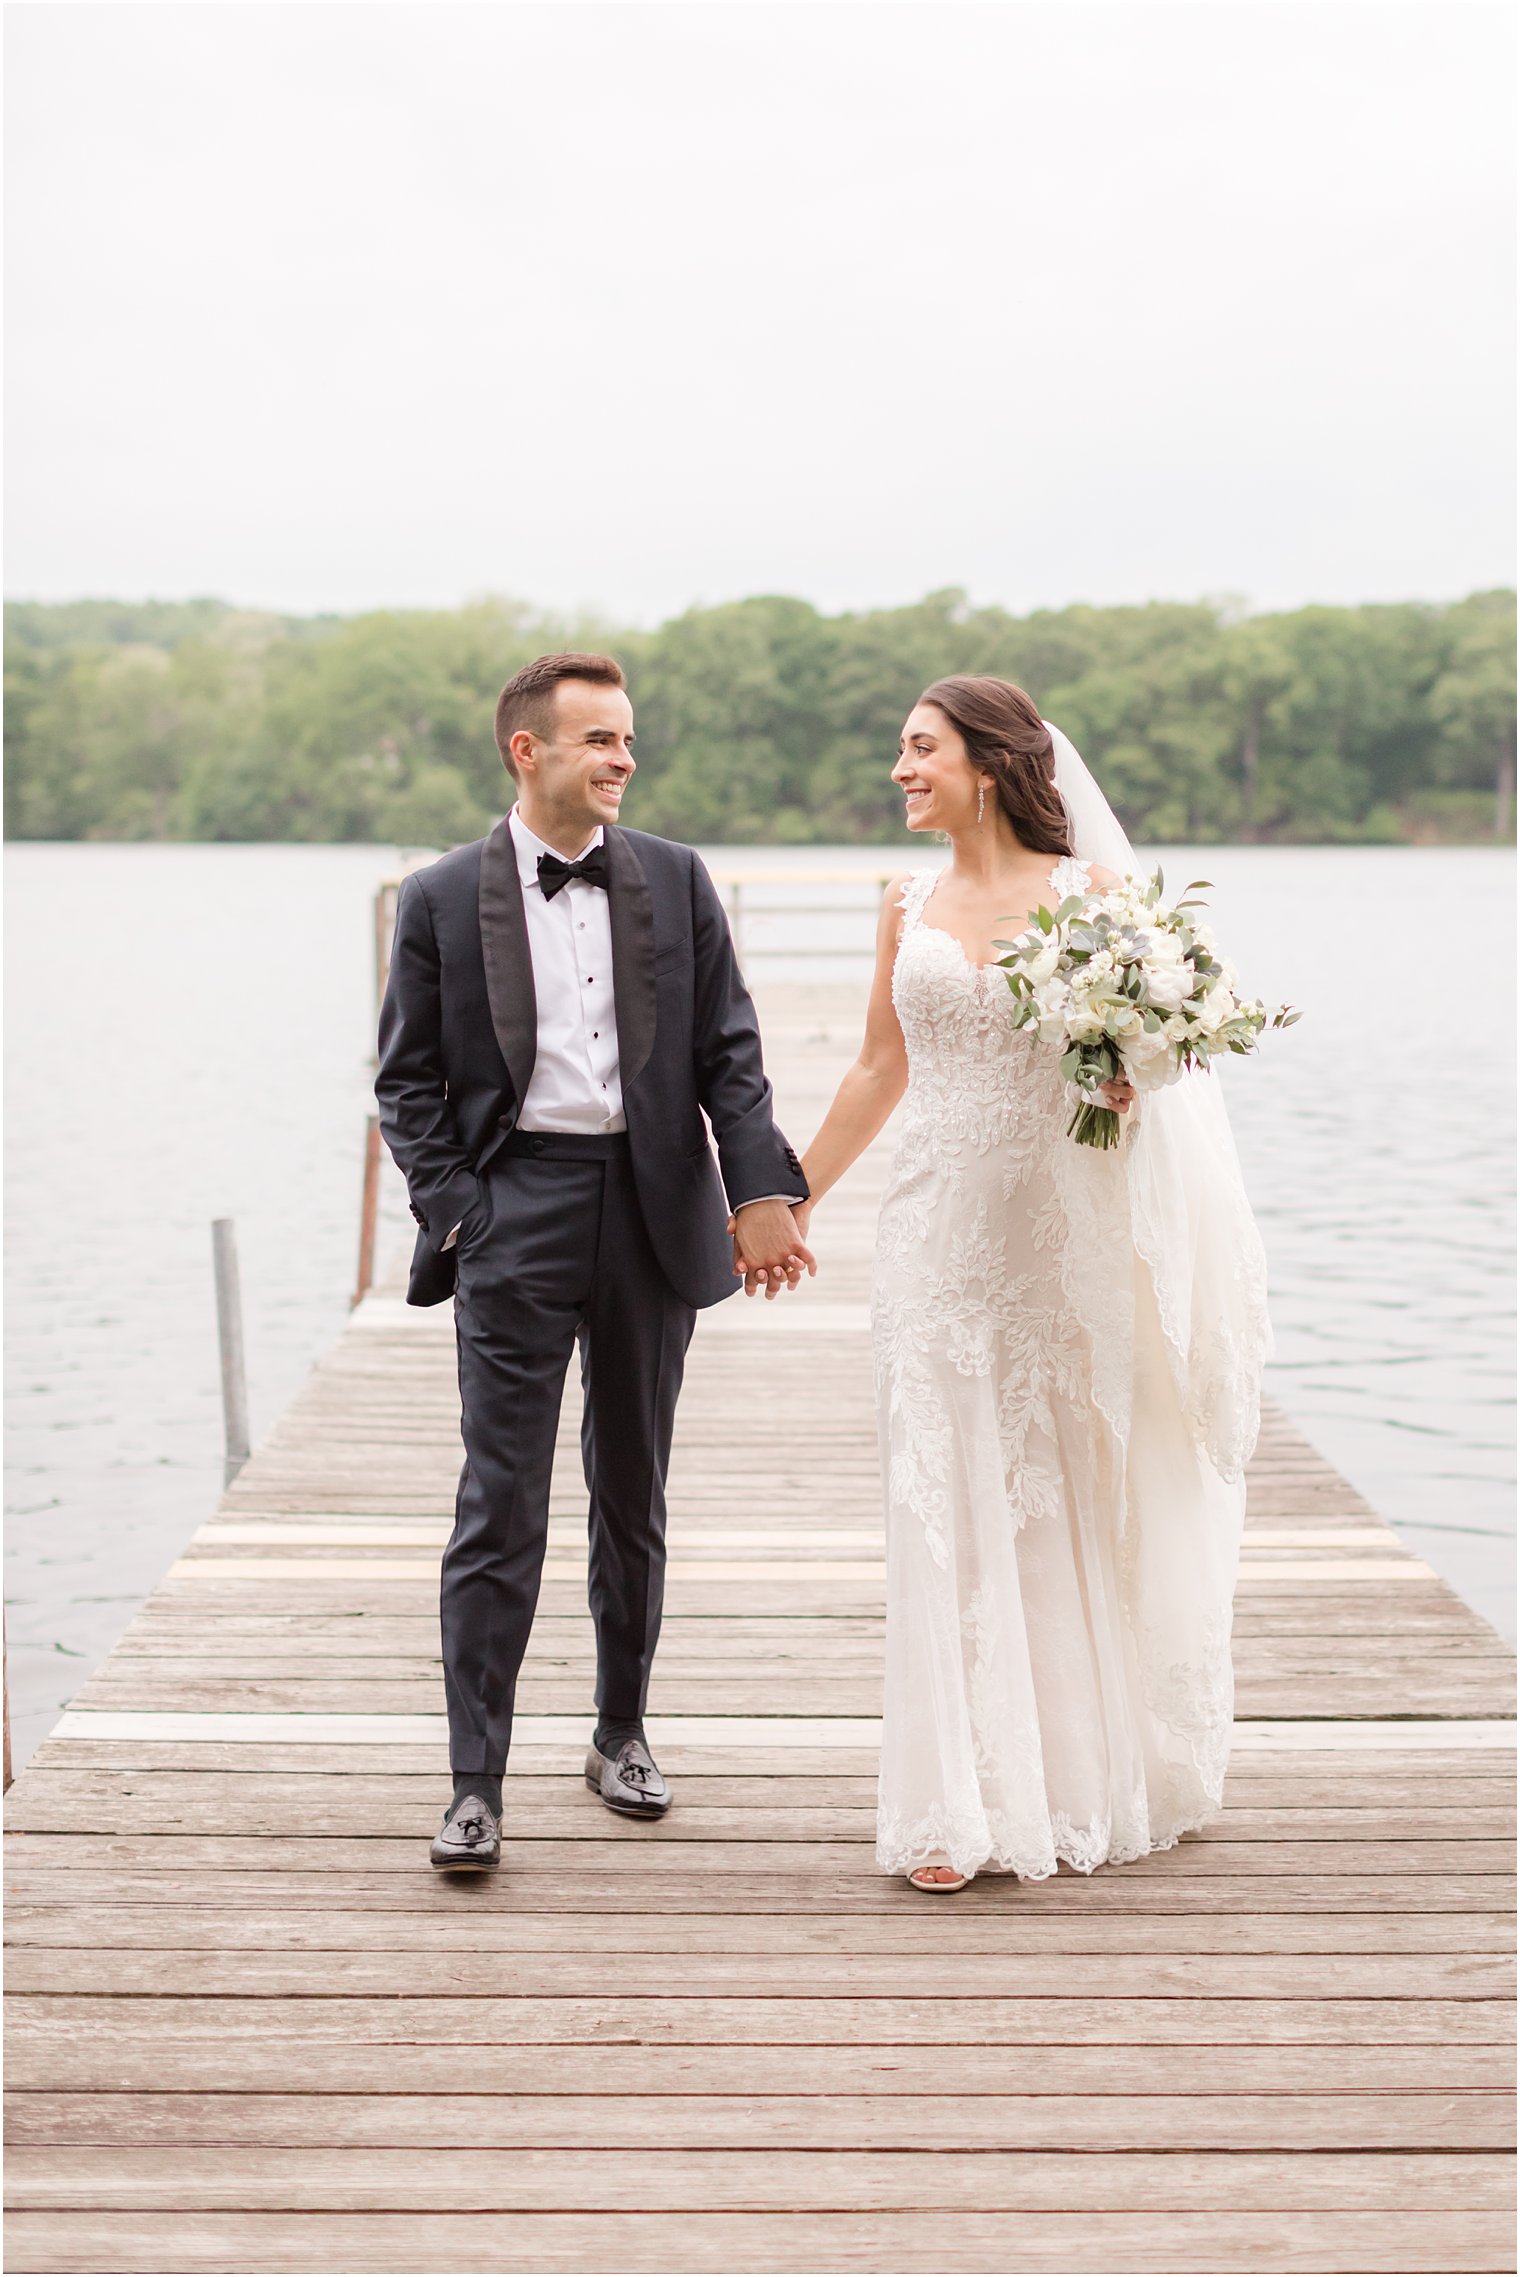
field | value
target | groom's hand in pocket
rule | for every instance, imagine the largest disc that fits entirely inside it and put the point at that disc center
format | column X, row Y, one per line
column 769, row 1250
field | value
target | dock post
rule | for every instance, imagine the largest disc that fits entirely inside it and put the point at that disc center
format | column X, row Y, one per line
column 369, row 1210
column 229, row 1330
column 385, row 927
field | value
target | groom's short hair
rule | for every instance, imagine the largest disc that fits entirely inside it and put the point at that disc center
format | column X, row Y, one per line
column 527, row 700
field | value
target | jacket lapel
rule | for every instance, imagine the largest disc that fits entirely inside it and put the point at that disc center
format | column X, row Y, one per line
column 632, row 912
column 508, row 962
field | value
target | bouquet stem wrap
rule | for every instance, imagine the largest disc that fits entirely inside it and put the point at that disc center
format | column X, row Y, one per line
column 1096, row 1126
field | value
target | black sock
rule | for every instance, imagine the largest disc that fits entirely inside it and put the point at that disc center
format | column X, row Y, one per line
column 485, row 1785
column 611, row 1733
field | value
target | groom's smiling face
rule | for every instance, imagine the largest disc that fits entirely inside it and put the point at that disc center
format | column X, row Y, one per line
column 577, row 773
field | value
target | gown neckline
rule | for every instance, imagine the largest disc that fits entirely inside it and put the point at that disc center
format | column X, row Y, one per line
column 945, row 934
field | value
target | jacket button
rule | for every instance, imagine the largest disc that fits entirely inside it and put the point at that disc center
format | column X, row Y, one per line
column 538, row 1146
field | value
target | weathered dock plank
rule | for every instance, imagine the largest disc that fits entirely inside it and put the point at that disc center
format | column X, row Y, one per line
column 118, row 2064
column 1022, row 2242
column 329, row 2177
column 1349, row 2121
column 241, row 2004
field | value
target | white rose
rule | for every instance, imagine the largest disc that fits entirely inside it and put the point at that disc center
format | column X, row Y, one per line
column 1040, row 968
column 1217, row 1007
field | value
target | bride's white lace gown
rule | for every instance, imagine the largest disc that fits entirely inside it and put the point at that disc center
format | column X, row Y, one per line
column 1060, row 1557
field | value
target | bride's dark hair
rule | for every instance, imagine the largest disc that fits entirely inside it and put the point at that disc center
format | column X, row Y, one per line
column 1007, row 741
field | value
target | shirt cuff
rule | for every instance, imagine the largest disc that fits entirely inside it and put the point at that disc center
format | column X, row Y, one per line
column 792, row 1201
column 450, row 1239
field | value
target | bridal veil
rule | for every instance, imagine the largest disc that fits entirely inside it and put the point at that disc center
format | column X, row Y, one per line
column 1191, row 1220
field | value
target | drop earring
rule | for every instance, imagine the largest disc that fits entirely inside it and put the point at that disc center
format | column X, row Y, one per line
column 981, row 801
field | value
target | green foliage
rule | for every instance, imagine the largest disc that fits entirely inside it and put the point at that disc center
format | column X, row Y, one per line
column 758, row 721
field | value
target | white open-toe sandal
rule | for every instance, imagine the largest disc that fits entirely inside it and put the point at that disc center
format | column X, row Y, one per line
column 937, row 1889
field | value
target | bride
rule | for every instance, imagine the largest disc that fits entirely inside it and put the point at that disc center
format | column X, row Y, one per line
column 1068, row 1350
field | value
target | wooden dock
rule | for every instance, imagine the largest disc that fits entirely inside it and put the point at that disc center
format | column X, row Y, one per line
column 251, row 2031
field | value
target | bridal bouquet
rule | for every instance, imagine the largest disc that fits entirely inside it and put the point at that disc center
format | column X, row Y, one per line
column 1126, row 986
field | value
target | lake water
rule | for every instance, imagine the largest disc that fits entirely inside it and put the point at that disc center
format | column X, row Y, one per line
column 190, row 1032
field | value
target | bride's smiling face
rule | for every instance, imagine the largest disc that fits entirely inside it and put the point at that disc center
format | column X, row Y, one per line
column 937, row 780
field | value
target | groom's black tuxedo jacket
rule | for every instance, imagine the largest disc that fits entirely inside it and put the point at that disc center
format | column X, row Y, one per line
column 459, row 1034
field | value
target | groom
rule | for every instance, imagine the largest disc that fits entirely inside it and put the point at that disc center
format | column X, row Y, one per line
column 563, row 1003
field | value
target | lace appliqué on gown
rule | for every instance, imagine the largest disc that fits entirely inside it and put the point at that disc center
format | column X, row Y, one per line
column 1060, row 1558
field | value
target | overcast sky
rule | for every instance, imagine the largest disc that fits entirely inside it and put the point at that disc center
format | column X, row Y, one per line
column 638, row 305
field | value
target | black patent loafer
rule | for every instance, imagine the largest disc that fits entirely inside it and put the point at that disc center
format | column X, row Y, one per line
column 469, row 1841
column 629, row 1781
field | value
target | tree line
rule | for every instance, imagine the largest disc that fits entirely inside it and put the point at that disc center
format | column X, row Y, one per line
column 760, row 721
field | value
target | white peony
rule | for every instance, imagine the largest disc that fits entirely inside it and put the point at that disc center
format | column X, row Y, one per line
column 1149, row 1059
column 1052, row 998
column 1168, row 985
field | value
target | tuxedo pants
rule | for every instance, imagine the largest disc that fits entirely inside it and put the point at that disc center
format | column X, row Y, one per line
column 558, row 1254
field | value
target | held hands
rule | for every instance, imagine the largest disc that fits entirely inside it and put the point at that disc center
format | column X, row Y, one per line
column 769, row 1250
column 1119, row 1094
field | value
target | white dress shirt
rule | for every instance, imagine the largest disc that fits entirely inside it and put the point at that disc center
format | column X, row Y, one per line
column 575, row 1085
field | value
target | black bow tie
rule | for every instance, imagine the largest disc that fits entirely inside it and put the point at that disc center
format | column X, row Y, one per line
column 591, row 869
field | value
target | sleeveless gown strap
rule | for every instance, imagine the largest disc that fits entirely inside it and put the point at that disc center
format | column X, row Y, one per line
column 915, row 891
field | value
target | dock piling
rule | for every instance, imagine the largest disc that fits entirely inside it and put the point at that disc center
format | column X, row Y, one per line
column 229, row 1331
column 369, row 1210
